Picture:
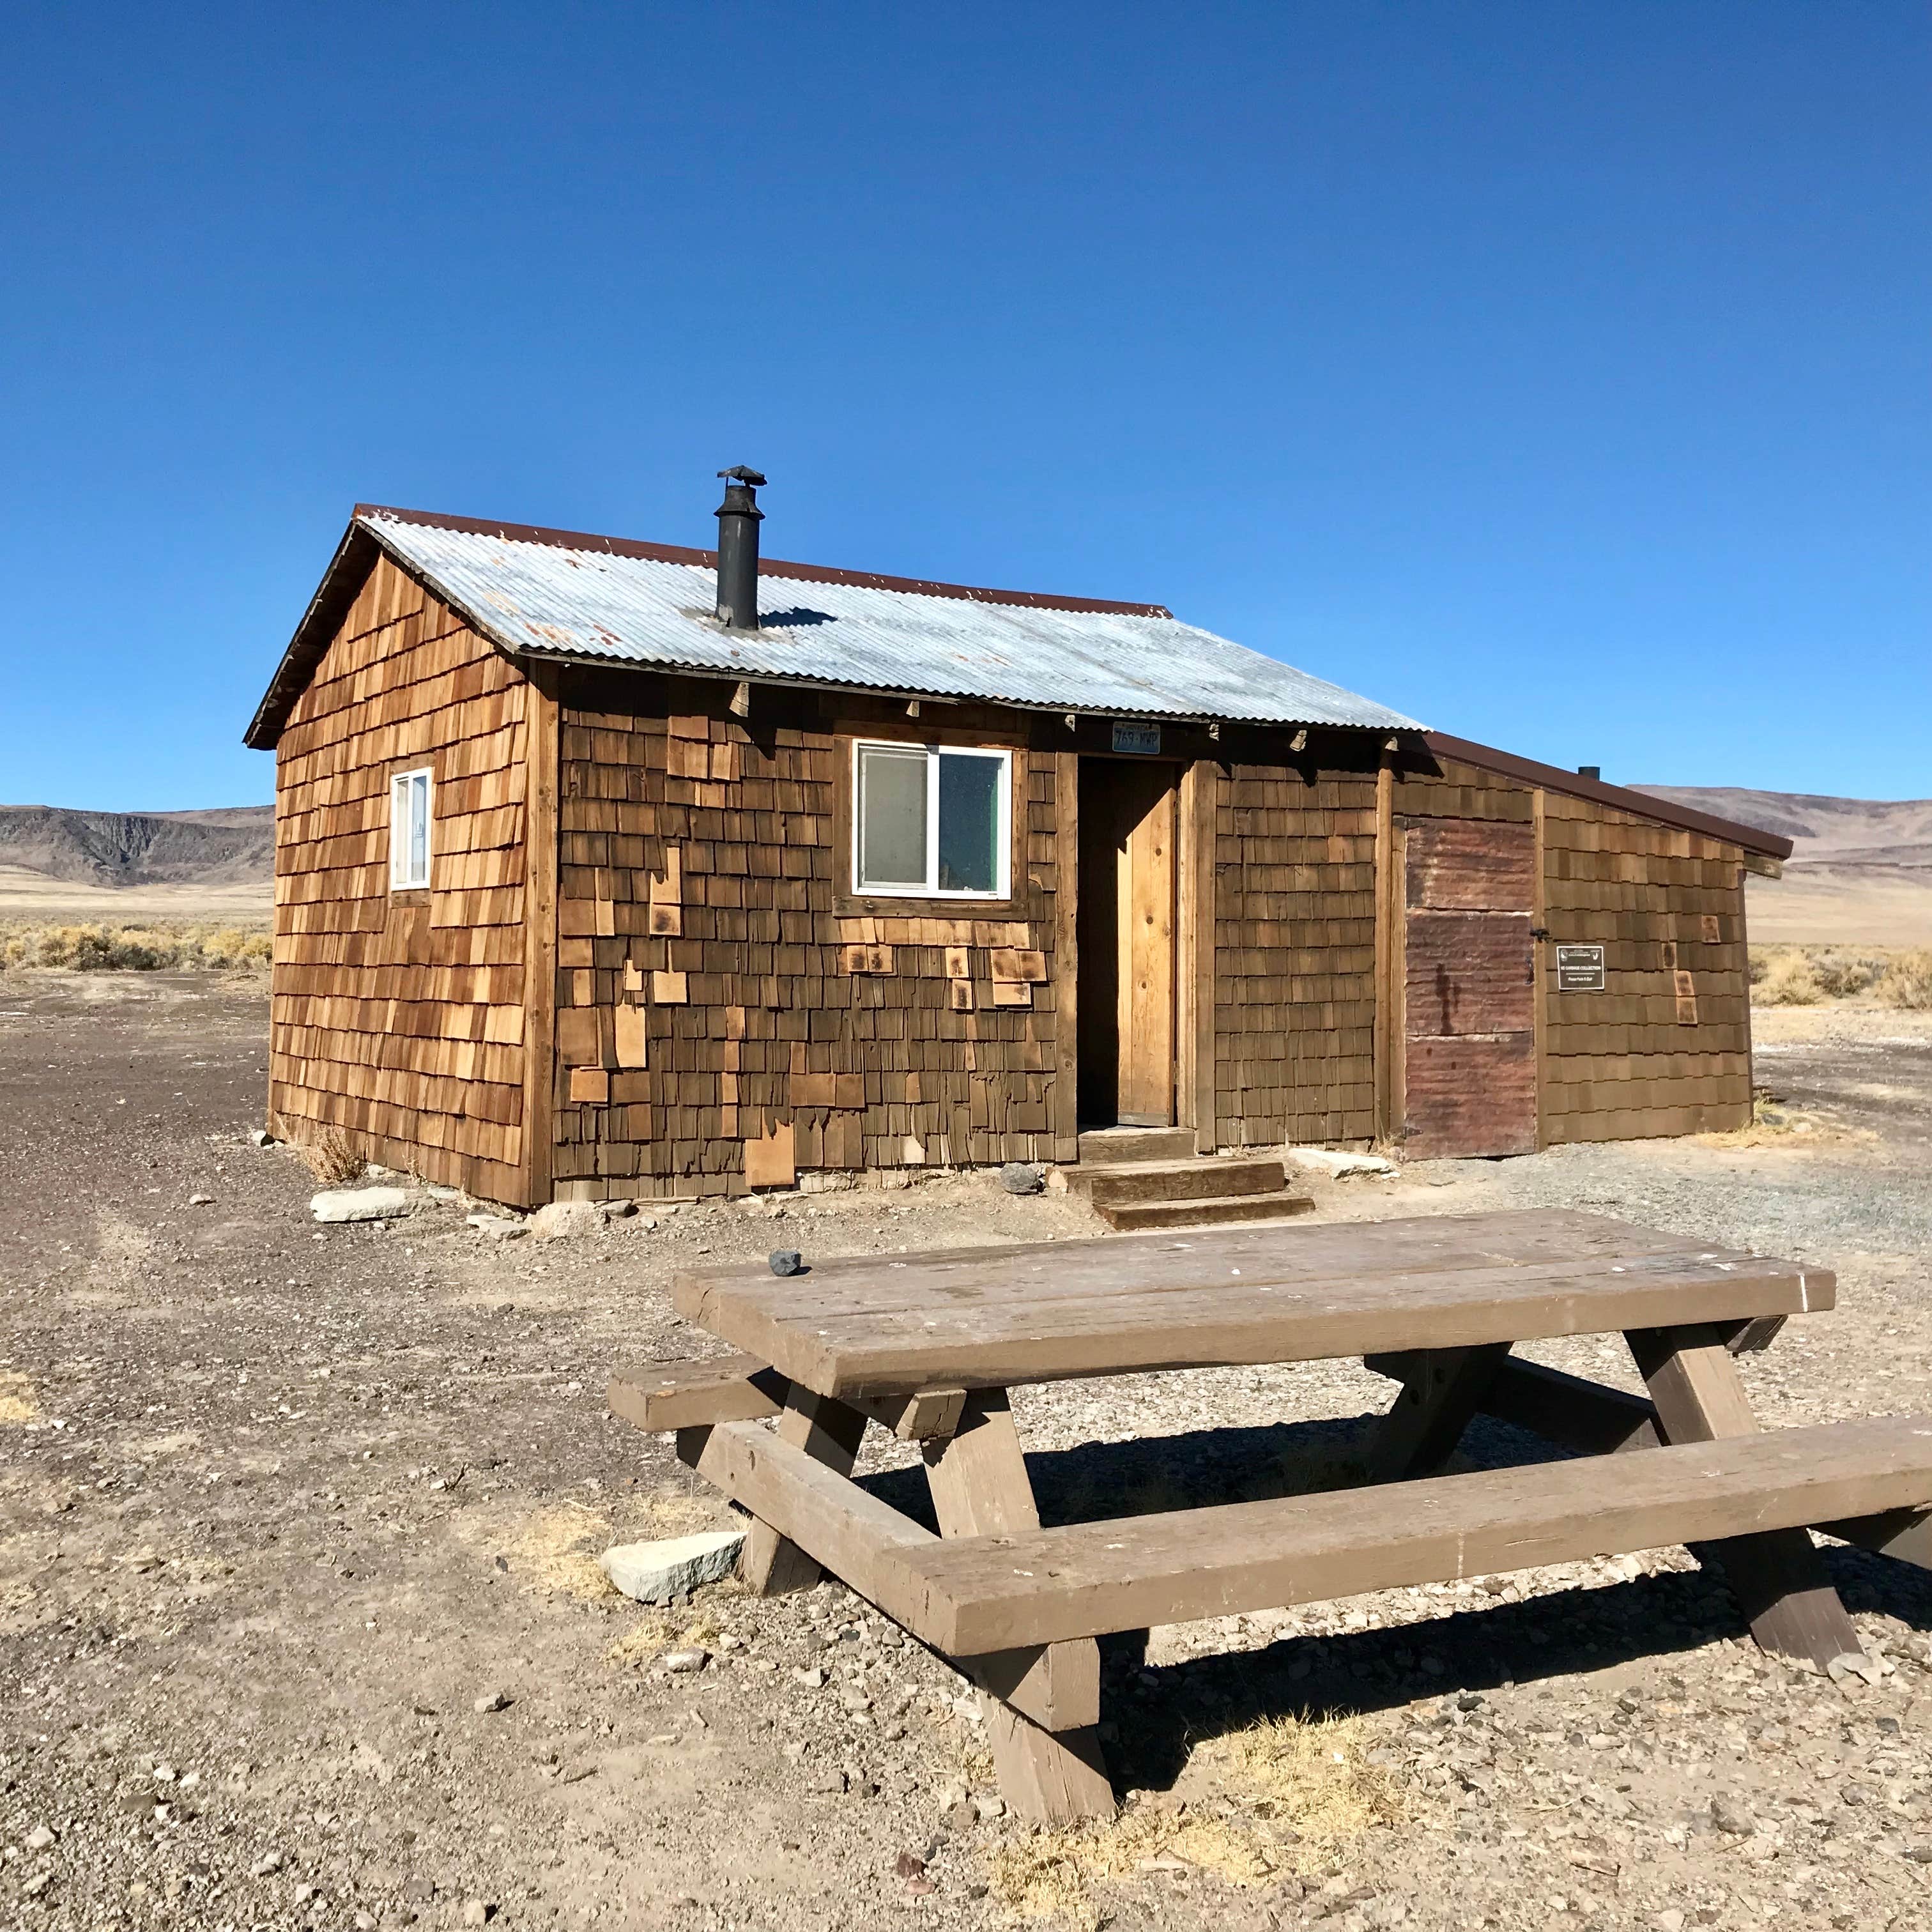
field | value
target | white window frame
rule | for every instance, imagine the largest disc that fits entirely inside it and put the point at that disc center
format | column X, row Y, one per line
column 931, row 889
column 402, row 789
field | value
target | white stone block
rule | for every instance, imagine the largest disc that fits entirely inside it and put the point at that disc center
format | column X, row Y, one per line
column 654, row 1572
column 359, row 1204
column 1338, row 1165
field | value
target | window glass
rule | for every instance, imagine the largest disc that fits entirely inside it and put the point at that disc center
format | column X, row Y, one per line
column 969, row 822
column 892, row 816
column 419, row 826
column 409, row 829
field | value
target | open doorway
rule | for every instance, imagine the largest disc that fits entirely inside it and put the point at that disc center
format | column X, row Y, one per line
column 1126, row 928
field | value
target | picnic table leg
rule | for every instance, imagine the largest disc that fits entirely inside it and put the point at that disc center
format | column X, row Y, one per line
column 830, row 1432
column 980, row 1487
column 1442, row 1390
column 1778, row 1575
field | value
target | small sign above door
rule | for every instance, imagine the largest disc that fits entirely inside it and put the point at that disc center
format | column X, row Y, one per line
column 1142, row 741
column 1579, row 969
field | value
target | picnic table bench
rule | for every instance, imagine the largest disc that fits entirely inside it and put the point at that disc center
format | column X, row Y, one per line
column 927, row 1346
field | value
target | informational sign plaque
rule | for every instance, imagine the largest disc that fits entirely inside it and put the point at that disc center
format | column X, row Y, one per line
column 1142, row 741
column 1579, row 969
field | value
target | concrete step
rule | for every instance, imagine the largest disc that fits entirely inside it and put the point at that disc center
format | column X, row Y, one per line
column 1215, row 1212
column 1109, row 1146
column 1117, row 1184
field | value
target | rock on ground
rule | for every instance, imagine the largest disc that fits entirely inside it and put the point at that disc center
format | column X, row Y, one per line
column 1338, row 1164
column 359, row 1204
column 559, row 1219
column 654, row 1572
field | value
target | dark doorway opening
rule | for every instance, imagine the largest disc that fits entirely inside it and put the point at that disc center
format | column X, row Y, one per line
column 1126, row 929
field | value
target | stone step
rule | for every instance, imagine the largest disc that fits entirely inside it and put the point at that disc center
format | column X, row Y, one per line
column 1211, row 1212
column 1203, row 1179
column 1110, row 1146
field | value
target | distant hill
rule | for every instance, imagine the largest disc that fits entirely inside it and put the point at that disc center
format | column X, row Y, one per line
column 1860, row 871
column 231, row 846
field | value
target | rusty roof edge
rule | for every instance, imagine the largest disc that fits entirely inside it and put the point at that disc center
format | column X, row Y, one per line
column 1554, row 778
column 768, row 566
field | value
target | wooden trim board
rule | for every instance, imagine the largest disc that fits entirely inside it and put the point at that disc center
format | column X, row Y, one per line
column 1052, row 1585
column 540, row 860
column 1194, row 985
column 1065, row 956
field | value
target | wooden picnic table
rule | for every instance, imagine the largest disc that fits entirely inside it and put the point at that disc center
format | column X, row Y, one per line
column 928, row 1346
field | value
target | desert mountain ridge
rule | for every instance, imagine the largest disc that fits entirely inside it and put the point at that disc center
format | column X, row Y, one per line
column 1837, row 831
column 227, row 846
column 1860, row 871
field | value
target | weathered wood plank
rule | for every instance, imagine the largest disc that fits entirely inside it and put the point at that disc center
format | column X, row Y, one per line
column 1035, row 1313
column 846, row 1529
column 820, row 1511
column 663, row 1396
column 980, row 1488
column 1441, row 1392
column 1778, row 1575
column 826, row 1432
column 1472, row 864
column 1086, row 1580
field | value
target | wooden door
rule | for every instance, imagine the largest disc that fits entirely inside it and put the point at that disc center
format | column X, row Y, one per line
column 1469, row 989
column 1127, row 888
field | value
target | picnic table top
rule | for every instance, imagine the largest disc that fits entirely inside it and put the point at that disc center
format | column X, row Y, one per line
column 1036, row 1312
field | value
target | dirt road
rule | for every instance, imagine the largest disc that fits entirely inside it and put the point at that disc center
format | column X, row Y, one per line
column 302, row 1624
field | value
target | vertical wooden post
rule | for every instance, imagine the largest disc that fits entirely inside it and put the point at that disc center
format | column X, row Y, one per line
column 1749, row 1108
column 541, row 757
column 1200, row 790
column 1539, row 957
column 1777, row 1575
column 1388, row 992
column 980, row 1487
column 1442, row 1389
column 829, row 1433
column 1066, row 955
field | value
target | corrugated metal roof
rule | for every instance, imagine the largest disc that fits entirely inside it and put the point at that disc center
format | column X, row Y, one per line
column 552, row 599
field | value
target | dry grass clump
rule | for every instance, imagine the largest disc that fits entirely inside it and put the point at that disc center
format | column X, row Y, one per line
column 1296, row 1791
column 161, row 946
column 332, row 1160
column 655, row 1632
column 1803, row 975
column 1788, row 979
column 17, row 1405
column 1908, row 980
column 552, row 1551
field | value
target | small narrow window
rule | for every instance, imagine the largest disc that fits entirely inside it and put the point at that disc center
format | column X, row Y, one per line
column 408, row 830
column 931, row 822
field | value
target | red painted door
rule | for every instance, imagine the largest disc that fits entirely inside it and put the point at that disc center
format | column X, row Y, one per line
column 1469, row 989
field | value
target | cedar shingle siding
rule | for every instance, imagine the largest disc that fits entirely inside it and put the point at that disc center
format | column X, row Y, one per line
column 398, row 1019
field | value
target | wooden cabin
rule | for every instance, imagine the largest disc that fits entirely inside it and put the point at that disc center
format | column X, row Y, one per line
column 608, row 869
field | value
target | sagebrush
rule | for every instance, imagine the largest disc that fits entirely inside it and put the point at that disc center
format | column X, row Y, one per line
column 1908, row 980
column 155, row 947
column 1803, row 976
column 332, row 1160
column 1789, row 979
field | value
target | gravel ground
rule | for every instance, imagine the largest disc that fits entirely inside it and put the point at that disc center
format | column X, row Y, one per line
column 302, row 1625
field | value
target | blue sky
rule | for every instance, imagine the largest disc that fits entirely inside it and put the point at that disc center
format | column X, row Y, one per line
column 1560, row 375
